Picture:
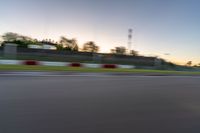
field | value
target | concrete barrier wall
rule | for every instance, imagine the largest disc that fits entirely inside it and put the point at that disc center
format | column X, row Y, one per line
column 10, row 62
column 67, row 64
column 70, row 56
column 46, row 63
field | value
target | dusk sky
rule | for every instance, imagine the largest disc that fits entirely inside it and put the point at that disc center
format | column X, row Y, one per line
column 159, row 26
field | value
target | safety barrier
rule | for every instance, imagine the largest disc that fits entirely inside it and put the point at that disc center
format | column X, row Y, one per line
column 69, row 64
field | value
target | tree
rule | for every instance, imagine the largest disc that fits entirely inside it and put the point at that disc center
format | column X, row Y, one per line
column 20, row 40
column 74, row 44
column 189, row 63
column 133, row 53
column 90, row 47
column 69, row 44
column 10, row 37
column 1, row 40
column 119, row 50
column 59, row 47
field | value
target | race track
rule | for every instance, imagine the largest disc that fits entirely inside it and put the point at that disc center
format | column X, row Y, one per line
column 99, row 104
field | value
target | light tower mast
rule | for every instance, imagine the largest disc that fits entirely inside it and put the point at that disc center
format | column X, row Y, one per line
column 130, row 32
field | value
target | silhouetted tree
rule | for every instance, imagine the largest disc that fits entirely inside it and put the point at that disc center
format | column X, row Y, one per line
column 59, row 47
column 133, row 53
column 119, row 50
column 90, row 47
column 69, row 44
column 20, row 40
column 189, row 63
column 9, row 37
column 1, row 40
column 74, row 44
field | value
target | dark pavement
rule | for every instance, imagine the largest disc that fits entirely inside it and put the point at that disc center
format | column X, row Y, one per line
column 99, row 104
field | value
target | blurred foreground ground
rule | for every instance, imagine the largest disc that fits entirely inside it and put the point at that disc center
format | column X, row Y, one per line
column 99, row 104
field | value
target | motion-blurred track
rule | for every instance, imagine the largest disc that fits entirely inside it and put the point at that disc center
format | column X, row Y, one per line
column 99, row 104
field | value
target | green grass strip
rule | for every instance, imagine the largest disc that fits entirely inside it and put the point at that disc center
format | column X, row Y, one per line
column 77, row 69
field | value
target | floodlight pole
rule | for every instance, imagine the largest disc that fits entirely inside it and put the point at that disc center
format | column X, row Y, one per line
column 130, row 32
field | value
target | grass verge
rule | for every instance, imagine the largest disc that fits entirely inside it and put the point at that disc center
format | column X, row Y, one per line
column 77, row 69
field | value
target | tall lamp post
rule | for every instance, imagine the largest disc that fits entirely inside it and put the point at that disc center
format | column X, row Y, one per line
column 130, row 36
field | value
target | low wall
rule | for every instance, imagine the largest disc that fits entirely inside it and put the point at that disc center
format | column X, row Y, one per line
column 67, row 64
column 1, row 51
column 70, row 56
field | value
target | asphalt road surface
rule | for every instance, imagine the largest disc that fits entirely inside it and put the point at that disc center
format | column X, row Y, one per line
column 99, row 104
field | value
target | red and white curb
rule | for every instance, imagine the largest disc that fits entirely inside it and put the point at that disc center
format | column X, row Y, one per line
column 69, row 64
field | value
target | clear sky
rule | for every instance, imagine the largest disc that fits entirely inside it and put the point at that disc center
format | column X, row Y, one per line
column 159, row 26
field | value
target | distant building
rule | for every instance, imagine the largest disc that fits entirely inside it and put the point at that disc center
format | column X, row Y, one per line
column 48, row 45
column 40, row 45
column 34, row 46
column 43, row 45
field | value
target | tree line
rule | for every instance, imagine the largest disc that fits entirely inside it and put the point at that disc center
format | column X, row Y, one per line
column 63, row 44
